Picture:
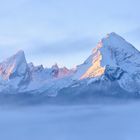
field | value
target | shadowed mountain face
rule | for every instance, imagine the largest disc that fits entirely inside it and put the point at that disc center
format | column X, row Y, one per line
column 112, row 69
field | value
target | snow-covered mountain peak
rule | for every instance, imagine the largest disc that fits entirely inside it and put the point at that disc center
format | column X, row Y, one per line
column 113, row 41
column 58, row 72
column 55, row 66
column 20, row 53
column 14, row 66
column 112, row 51
column 113, row 35
column 116, row 51
column 17, row 58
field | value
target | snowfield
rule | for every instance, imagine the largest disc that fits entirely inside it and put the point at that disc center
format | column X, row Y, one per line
column 81, row 122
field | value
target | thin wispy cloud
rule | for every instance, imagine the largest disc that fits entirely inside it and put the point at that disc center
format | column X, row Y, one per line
column 64, row 47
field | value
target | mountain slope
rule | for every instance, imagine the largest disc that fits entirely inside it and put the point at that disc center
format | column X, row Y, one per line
column 114, row 51
column 13, row 73
column 16, row 76
column 113, row 68
column 115, row 59
column 14, row 66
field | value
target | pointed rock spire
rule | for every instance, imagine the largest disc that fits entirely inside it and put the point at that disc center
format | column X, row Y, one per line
column 15, row 65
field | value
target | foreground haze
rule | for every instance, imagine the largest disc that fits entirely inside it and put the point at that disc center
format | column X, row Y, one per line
column 99, row 122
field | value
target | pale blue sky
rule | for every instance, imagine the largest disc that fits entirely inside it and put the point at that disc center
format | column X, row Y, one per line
column 64, row 31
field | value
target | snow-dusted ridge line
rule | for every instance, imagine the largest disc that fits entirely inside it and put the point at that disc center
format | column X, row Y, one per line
column 113, row 63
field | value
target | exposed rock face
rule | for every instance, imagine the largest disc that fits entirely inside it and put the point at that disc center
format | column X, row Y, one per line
column 113, row 73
